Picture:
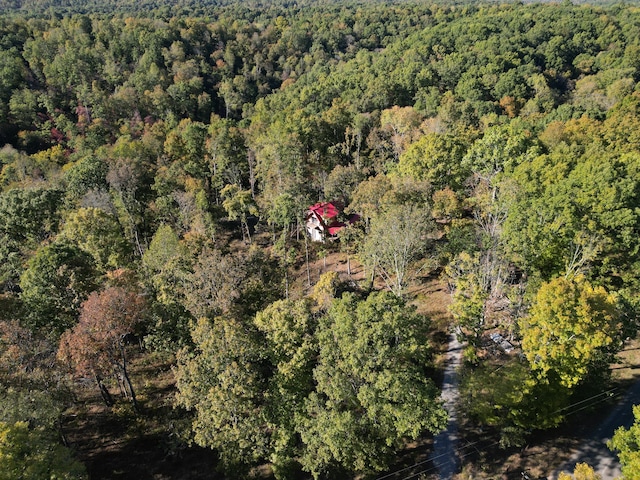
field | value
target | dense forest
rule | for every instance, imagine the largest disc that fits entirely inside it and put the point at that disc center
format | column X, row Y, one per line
column 157, row 164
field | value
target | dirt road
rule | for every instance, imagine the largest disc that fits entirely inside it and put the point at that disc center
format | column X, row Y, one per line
column 444, row 446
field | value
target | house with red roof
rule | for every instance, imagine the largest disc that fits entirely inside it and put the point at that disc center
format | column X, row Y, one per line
column 325, row 219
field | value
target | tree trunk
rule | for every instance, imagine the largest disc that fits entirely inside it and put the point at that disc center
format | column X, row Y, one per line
column 286, row 283
column 63, row 437
column 246, row 225
column 132, row 392
column 106, row 396
column 126, row 379
column 251, row 160
column 137, row 238
column 207, row 187
column 306, row 251
column 373, row 278
column 123, row 389
column 359, row 144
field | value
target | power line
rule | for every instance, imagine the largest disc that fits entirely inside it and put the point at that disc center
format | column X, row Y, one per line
column 392, row 474
column 586, row 403
column 607, row 392
column 421, row 463
column 587, row 406
column 437, row 467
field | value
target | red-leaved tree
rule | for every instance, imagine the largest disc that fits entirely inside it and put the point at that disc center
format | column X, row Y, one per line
column 96, row 345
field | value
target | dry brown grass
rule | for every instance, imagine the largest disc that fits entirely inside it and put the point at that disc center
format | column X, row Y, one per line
column 627, row 367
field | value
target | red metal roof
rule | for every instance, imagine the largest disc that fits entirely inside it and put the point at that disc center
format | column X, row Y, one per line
column 328, row 213
column 326, row 210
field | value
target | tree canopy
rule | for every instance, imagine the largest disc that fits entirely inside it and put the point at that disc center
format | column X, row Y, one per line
column 157, row 160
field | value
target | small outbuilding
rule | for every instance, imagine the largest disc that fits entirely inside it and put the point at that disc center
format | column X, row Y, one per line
column 325, row 219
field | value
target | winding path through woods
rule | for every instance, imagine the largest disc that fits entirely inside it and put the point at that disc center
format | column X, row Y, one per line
column 444, row 455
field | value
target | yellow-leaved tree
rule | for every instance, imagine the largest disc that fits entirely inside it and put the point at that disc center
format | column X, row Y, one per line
column 582, row 471
column 572, row 325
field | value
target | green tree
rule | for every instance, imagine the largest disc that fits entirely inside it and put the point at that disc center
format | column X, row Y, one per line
column 437, row 158
column 284, row 162
column 342, row 182
column 626, row 442
column 55, row 283
column 470, row 292
column 239, row 205
column 129, row 175
column 371, row 392
column 32, row 454
column 221, row 382
column 167, row 261
column 369, row 194
column 284, row 212
column 98, row 233
column 84, row 175
column 573, row 209
column 540, row 223
column 12, row 74
column 23, row 107
column 401, row 123
column 500, row 148
column 511, row 398
column 29, row 215
column 226, row 154
column 289, row 330
column 185, row 144
column 33, row 389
